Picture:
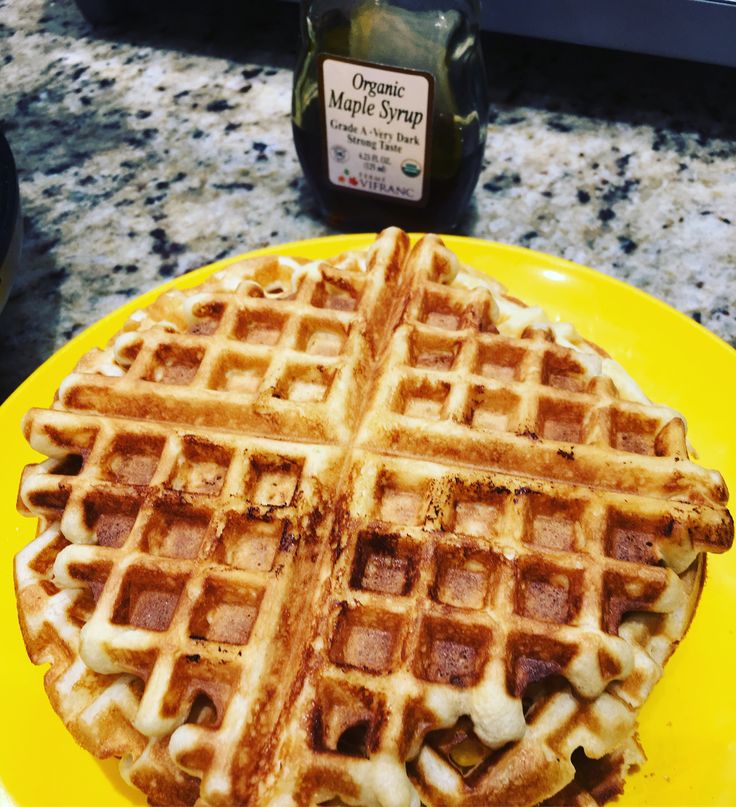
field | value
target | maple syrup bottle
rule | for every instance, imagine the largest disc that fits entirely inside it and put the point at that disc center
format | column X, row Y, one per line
column 389, row 111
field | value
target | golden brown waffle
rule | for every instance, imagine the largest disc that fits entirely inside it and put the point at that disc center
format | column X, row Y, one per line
column 348, row 530
column 98, row 710
column 248, row 354
column 174, row 483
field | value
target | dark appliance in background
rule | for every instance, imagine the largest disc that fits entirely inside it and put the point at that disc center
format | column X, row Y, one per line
column 699, row 30
column 10, row 222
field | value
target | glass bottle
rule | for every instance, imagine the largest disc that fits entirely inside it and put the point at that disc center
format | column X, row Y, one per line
column 389, row 111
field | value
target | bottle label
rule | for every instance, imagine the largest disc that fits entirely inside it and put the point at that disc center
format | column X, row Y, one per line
column 376, row 128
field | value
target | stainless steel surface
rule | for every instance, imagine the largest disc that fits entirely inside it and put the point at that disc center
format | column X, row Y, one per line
column 701, row 30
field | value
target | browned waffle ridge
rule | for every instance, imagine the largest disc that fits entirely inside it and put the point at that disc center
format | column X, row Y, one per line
column 343, row 539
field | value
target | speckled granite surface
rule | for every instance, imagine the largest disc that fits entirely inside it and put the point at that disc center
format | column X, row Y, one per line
column 143, row 154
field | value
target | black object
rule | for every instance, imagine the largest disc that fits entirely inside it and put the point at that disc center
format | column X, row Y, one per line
column 103, row 12
column 10, row 224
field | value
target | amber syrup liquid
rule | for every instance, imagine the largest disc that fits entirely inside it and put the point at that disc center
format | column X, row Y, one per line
column 405, row 34
column 449, row 191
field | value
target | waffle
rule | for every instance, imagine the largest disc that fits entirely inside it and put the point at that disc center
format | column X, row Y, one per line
column 98, row 710
column 365, row 529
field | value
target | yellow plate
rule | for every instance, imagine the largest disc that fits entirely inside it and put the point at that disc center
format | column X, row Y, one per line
column 688, row 726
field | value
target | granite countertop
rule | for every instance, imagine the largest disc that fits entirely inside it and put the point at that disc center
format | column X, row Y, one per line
column 144, row 153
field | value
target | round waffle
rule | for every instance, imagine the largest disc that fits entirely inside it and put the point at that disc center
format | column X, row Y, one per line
column 362, row 530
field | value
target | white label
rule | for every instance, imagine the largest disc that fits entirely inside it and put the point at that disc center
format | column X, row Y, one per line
column 376, row 122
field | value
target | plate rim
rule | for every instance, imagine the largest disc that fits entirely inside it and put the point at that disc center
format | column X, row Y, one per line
column 525, row 256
